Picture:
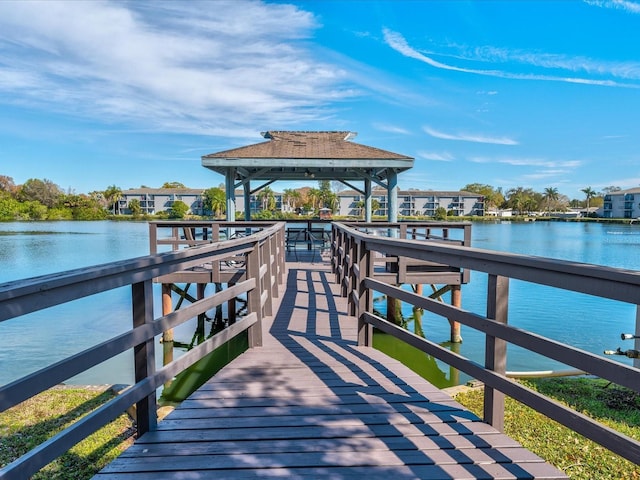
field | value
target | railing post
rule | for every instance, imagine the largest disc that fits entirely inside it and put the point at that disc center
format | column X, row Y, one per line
column 403, row 230
column 144, row 355
column 456, row 301
column 254, row 303
column 335, row 261
column 365, row 299
column 167, row 336
column 636, row 343
column 278, row 251
column 496, row 349
column 215, row 232
column 466, row 273
column 346, row 266
column 353, row 275
column 153, row 238
column 267, row 280
column 342, row 271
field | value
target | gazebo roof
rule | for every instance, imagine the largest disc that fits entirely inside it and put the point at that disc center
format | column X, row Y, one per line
column 296, row 155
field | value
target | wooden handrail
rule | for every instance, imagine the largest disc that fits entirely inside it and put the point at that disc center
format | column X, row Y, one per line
column 354, row 251
column 264, row 254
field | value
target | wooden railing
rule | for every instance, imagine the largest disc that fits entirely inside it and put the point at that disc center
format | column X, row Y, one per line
column 397, row 269
column 262, row 254
column 356, row 252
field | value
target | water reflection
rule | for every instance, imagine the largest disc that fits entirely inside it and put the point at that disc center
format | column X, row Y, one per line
column 219, row 318
column 428, row 367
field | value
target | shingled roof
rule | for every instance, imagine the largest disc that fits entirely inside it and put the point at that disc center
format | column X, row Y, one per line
column 296, row 145
column 294, row 155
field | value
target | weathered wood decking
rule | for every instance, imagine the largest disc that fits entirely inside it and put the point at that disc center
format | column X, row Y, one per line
column 311, row 404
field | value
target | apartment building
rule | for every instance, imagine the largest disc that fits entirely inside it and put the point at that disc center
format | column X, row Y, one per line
column 622, row 204
column 415, row 203
column 155, row 200
column 410, row 202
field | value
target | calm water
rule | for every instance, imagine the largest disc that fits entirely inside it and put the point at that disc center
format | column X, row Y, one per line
column 36, row 340
column 583, row 321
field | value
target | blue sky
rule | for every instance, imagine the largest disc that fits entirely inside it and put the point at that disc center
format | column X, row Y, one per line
column 534, row 94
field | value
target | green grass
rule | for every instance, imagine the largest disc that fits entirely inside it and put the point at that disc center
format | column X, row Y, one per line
column 30, row 423
column 578, row 457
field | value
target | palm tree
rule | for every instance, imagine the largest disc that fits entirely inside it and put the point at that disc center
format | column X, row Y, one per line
column 215, row 200
column 589, row 194
column 517, row 198
column 113, row 194
column 551, row 195
column 314, row 196
column 292, row 198
column 267, row 198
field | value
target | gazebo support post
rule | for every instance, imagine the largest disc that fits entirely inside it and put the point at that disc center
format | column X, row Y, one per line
column 229, row 180
column 392, row 196
column 367, row 200
column 247, row 200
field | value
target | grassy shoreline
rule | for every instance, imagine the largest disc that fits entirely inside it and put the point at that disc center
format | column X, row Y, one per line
column 581, row 459
column 33, row 421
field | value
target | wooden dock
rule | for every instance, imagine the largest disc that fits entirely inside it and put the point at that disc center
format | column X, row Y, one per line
column 309, row 403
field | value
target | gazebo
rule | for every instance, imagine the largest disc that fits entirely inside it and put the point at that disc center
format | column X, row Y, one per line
column 303, row 156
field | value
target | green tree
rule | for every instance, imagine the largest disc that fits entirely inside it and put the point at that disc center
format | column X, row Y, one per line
column 178, row 209
column 493, row 197
column 375, row 205
column 215, row 201
column 550, row 195
column 328, row 199
column 113, row 194
column 589, row 193
column 440, row 213
column 313, row 199
column 267, row 198
column 523, row 200
column 173, row 185
column 9, row 207
column 292, row 198
column 135, row 208
column 44, row 191
column 33, row 210
column 82, row 207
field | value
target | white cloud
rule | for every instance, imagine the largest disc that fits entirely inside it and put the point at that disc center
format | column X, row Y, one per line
column 628, row 71
column 542, row 174
column 466, row 137
column 631, row 7
column 438, row 157
column 228, row 68
column 384, row 127
column 530, row 162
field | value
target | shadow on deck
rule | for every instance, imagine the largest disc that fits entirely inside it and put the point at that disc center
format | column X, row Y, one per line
column 310, row 403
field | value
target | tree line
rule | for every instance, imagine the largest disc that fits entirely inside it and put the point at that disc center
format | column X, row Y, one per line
column 42, row 199
column 526, row 200
column 38, row 199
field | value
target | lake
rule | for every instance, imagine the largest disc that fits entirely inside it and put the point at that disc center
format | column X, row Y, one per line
column 33, row 341
column 583, row 321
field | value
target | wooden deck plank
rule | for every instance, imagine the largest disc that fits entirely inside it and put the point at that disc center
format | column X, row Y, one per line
column 311, row 404
column 539, row 471
column 491, row 440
